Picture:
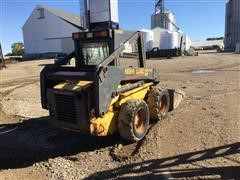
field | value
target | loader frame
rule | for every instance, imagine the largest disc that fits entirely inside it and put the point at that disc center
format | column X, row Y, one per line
column 106, row 76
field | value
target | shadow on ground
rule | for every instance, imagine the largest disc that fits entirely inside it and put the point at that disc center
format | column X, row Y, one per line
column 34, row 140
column 156, row 169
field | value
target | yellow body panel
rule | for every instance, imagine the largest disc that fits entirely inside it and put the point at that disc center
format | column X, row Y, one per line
column 107, row 125
column 73, row 85
column 104, row 126
column 137, row 93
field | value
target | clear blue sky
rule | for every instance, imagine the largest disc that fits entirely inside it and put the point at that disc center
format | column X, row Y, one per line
column 198, row 18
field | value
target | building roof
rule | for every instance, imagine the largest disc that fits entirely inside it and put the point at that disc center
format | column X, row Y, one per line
column 71, row 18
column 207, row 43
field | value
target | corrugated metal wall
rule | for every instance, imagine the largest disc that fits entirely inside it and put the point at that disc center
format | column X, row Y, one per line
column 232, row 25
column 165, row 21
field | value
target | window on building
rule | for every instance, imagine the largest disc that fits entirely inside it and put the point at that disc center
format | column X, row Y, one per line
column 41, row 13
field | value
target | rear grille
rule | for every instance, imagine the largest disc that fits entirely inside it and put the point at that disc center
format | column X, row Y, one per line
column 66, row 108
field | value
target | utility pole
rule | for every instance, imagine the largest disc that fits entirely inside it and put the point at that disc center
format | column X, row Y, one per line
column 1, row 54
column 2, row 62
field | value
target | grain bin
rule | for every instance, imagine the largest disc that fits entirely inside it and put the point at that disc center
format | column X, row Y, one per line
column 165, row 20
column 169, row 21
column 148, row 38
column 169, row 40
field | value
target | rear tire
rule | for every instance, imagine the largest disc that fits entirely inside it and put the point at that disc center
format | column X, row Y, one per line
column 133, row 120
column 158, row 102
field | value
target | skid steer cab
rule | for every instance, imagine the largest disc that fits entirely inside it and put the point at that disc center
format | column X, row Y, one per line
column 100, row 97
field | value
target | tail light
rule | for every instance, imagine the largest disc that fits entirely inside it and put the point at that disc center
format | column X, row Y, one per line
column 101, row 34
column 79, row 36
column 91, row 35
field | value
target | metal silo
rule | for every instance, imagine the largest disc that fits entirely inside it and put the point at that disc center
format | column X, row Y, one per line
column 165, row 20
column 170, row 20
column 232, row 25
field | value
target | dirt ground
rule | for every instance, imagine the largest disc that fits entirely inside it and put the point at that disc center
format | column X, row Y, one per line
column 199, row 140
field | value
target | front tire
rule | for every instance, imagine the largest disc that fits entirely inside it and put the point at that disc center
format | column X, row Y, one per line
column 133, row 120
column 158, row 102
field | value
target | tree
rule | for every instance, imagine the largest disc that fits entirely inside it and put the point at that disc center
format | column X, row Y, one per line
column 17, row 49
column 215, row 38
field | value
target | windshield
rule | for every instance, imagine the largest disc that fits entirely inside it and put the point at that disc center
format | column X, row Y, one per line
column 95, row 53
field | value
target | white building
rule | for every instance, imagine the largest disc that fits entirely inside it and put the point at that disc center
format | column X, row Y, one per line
column 49, row 31
column 208, row 45
column 147, row 38
column 165, row 39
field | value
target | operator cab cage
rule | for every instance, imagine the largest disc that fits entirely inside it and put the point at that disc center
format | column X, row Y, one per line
column 92, row 49
column 97, row 56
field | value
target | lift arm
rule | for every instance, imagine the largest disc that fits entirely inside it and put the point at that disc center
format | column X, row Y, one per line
column 138, row 36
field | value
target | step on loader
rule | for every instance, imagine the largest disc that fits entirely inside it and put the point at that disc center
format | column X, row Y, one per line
column 98, row 96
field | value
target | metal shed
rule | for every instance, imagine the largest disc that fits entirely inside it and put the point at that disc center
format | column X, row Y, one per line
column 48, row 31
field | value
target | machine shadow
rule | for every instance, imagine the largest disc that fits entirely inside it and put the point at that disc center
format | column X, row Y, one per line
column 156, row 169
column 35, row 140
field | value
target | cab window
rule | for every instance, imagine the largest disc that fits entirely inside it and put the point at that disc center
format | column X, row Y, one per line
column 95, row 53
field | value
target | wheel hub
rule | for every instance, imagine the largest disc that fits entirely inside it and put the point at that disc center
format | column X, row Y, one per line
column 139, row 121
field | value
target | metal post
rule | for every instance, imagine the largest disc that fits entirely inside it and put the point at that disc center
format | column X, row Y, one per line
column 141, row 51
column 1, row 54
column 85, row 14
column 2, row 63
column 181, row 42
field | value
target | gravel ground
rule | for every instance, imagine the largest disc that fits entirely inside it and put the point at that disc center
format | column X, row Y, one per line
column 199, row 140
